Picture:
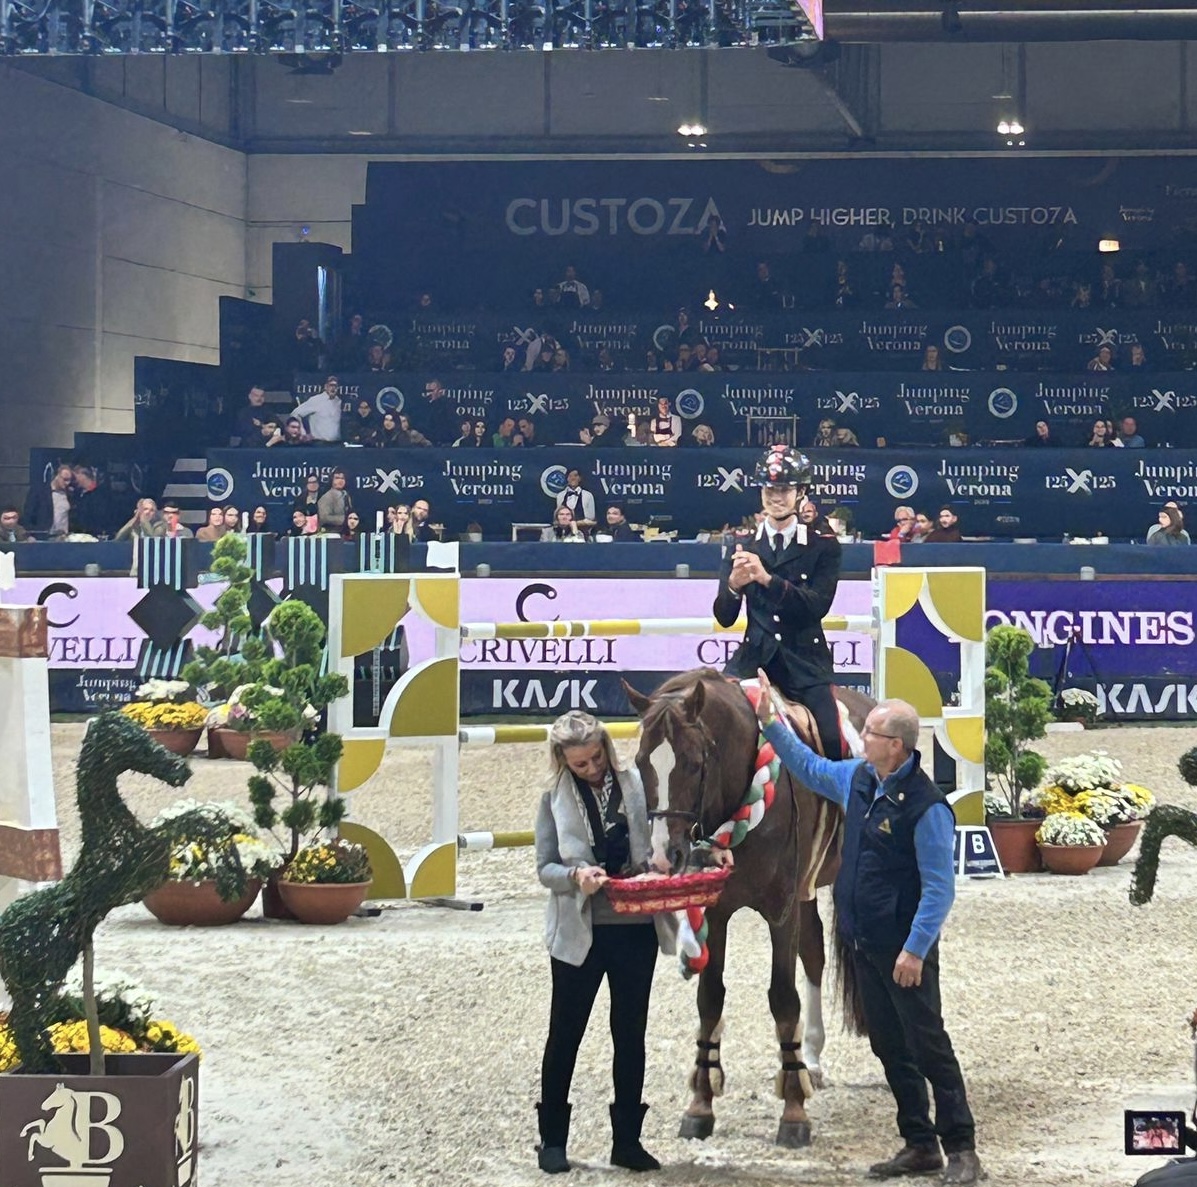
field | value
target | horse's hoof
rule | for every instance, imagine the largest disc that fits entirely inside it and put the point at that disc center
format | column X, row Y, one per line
column 793, row 1134
column 698, row 1127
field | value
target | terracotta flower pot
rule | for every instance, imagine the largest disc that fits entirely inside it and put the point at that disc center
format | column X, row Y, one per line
column 235, row 743
column 1120, row 838
column 196, row 904
column 323, row 902
column 1070, row 859
column 1014, row 841
column 273, row 906
column 177, row 741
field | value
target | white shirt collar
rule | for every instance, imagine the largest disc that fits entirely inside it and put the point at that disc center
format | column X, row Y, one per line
column 787, row 535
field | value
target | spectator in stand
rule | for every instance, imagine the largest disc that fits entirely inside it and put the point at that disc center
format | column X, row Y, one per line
column 259, row 521
column 390, row 435
column 308, row 500
column 247, row 430
column 305, row 349
column 465, row 434
column 560, row 360
column 713, row 362
column 425, row 306
column 1042, row 437
column 1082, row 296
column 173, row 527
column 438, row 416
column 509, row 360
column 715, row 237
column 525, row 433
column 353, row 526
column 361, row 427
column 92, row 514
column 421, row 529
column 563, row 529
column 1169, row 531
column 898, row 299
column 685, row 360
column 597, row 300
column 988, row 290
column 1102, row 361
column 300, row 525
column 932, row 360
column 666, row 427
column 903, row 529
column 232, row 518
column 846, row 439
column 293, row 433
column 145, row 521
column 578, row 499
column 923, row 527
column 378, row 358
column 701, row 437
column 270, row 435
column 333, row 507
column 919, row 238
column 574, row 294
column 214, row 528
column 1139, row 292
column 1109, row 288
column 947, row 529
column 606, row 362
column 700, row 357
column 843, row 291
column 825, row 437
column 322, row 413
column 50, row 509
column 764, row 293
column 1138, row 359
column 11, row 531
column 600, row 435
column 399, row 522
column 413, row 437
column 1100, row 437
column 350, row 351
column 1179, row 291
column 1128, row 434
column 617, row 526
column 504, row 433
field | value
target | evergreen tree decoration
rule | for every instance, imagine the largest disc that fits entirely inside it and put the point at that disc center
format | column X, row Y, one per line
column 1166, row 820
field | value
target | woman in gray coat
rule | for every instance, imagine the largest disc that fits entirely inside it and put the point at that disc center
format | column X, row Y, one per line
column 592, row 824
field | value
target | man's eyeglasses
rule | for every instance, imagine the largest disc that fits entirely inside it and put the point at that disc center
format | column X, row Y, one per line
column 868, row 729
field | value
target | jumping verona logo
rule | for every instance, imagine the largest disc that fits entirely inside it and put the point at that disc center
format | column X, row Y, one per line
column 957, row 339
column 552, row 481
column 1003, row 403
column 901, row 482
column 220, row 484
column 689, row 403
column 389, row 399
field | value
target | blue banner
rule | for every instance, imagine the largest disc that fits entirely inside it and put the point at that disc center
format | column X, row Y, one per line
column 920, row 408
column 1041, row 492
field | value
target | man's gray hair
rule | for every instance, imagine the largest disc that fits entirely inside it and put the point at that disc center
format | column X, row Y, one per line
column 902, row 720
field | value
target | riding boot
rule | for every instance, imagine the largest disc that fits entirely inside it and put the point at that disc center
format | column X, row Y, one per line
column 554, row 1133
column 626, row 1150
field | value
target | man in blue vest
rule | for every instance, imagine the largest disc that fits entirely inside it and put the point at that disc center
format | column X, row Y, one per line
column 893, row 892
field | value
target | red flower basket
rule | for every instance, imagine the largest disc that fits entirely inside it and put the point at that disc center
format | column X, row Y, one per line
column 647, row 896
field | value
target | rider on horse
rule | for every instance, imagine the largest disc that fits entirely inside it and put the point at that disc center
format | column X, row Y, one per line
column 787, row 574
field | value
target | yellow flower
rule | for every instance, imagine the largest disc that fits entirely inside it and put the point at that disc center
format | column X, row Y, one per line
column 71, row 1037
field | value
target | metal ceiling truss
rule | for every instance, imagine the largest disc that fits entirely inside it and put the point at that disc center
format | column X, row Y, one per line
column 331, row 27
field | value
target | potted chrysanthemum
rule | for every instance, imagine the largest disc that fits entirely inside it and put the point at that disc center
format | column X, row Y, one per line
column 169, row 711
column 1078, row 705
column 1069, row 842
column 213, row 881
column 327, row 881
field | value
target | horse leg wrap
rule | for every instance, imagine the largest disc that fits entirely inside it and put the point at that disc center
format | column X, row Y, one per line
column 708, row 1067
column 793, row 1081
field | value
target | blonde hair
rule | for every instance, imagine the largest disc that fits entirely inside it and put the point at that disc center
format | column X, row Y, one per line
column 576, row 728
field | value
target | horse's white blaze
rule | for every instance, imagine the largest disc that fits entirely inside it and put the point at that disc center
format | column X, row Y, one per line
column 662, row 760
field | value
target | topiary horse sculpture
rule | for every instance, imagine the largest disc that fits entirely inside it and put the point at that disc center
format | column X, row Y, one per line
column 120, row 861
column 1164, row 821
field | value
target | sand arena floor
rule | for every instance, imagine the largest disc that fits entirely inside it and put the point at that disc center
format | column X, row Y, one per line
column 405, row 1049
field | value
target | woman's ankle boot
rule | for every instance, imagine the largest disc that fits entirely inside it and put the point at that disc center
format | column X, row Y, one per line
column 554, row 1133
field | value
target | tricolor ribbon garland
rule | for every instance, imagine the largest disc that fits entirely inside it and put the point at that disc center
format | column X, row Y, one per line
column 692, row 922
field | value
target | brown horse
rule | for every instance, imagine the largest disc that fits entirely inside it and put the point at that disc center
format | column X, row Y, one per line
column 697, row 753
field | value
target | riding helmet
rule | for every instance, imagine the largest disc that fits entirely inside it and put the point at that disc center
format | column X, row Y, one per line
column 784, row 466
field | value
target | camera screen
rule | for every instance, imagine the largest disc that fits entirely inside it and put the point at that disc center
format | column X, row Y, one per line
column 1153, row 1132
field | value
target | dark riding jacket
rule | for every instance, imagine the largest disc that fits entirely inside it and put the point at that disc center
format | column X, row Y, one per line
column 785, row 619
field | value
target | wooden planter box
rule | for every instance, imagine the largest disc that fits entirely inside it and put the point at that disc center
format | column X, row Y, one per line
column 137, row 1126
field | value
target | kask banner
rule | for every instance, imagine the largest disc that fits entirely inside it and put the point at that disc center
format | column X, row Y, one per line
column 1002, row 493
column 919, row 408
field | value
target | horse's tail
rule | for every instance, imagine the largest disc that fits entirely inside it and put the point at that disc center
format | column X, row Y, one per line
column 847, row 985
column 1166, row 820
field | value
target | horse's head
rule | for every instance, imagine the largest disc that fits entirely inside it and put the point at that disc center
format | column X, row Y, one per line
column 116, row 743
column 672, row 760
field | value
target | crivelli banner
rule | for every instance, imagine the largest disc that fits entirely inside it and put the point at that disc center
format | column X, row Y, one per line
column 645, row 227
column 874, row 340
column 1031, row 492
column 919, row 408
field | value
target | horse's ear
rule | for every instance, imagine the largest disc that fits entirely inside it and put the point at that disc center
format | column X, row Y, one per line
column 637, row 700
column 695, row 699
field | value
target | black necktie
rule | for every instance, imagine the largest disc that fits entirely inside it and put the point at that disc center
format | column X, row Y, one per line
column 779, row 542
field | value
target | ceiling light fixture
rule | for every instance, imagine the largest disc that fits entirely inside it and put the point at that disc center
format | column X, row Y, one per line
column 691, row 130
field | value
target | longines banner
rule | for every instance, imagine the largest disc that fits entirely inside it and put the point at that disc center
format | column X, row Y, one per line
column 660, row 228
column 872, row 340
column 1035, row 492
column 905, row 408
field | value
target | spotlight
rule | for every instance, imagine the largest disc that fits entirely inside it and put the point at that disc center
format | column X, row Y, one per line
column 1004, row 128
column 691, row 130
column 1108, row 245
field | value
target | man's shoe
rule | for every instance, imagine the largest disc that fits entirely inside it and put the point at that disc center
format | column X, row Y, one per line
column 910, row 1160
column 963, row 1167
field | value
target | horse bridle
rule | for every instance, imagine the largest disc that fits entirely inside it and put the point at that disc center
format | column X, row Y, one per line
column 693, row 816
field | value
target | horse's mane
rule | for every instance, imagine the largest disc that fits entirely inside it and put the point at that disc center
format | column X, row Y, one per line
column 670, row 694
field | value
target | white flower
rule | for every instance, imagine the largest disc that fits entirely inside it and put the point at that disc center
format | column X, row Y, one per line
column 1086, row 772
column 1076, row 697
column 113, row 987
column 162, row 690
column 1069, row 828
column 237, row 818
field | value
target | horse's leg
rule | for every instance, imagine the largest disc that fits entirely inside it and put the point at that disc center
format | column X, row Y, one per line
column 792, row 1084
column 706, row 1080
column 814, row 961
